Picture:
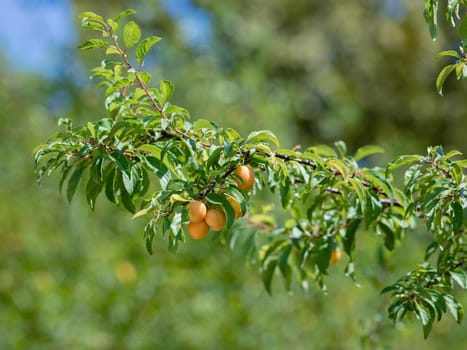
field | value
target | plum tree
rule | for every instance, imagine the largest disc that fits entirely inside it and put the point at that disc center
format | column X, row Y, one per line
column 202, row 177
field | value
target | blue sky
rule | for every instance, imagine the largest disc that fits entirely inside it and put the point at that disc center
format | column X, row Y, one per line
column 194, row 23
column 39, row 35
column 33, row 33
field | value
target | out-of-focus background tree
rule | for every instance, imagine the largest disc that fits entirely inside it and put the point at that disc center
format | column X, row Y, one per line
column 311, row 71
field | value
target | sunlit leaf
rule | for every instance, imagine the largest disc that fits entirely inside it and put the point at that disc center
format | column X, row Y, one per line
column 144, row 47
column 366, row 151
column 262, row 135
column 442, row 77
column 123, row 14
column 93, row 44
column 131, row 34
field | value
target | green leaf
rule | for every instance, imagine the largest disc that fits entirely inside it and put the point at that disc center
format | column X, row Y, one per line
column 460, row 67
column 348, row 240
column 284, row 266
column 457, row 216
column 341, row 148
column 123, row 14
column 112, row 50
column 131, row 34
column 338, row 165
column 127, row 201
column 461, row 163
column 262, row 135
column 402, row 160
column 323, row 150
column 176, row 224
column 360, row 191
column 63, row 177
column 442, row 77
column 448, row 53
column 109, row 186
column 455, row 309
column 93, row 44
column 463, row 29
column 113, row 25
column 144, row 76
column 130, row 182
column 91, row 25
column 430, row 14
column 166, row 88
column 93, row 188
column 425, row 317
column 366, row 151
column 73, row 182
column 141, row 212
column 144, row 47
column 460, row 277
column 389, row 236
column 323, row 254
column 121, row 161
column 285, row 193
column 393, row 309
column 153, row 150
column 427, row 329
column 284, row 256
column 267, row 274
column 91, row 15
column 452, row 153
column 162, row 171
column 431, row 249
column 149, row 235
column 392, row 288
column 178, row 198
column 204, row 124
column 378, row 182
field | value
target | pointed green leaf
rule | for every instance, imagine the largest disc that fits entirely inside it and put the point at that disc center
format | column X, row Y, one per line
column 455, row 309
column 401, row 161
column 166, row 89
column 93, row 189
column 91, row 15
column 457, row 216
column 460, row 277
column 261, row 136
column 127, row 201
column 73, row 182
column 442, row 77
column 452, row 153
column 123, row 14
column 448, row 53
column 121, row 161
column 463, row 29
column 149, row 235
column 109, row 186
column 131, row 34
column 366, row 151
column 267, row 274
column 144, row 47
column 93, row 44
column 389, row 236
column 323, row 150
column 348, row 240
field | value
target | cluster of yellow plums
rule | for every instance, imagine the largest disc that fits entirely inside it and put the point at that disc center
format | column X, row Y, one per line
column 203, row 219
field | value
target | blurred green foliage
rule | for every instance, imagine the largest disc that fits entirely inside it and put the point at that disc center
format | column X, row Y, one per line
column 311, row 71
